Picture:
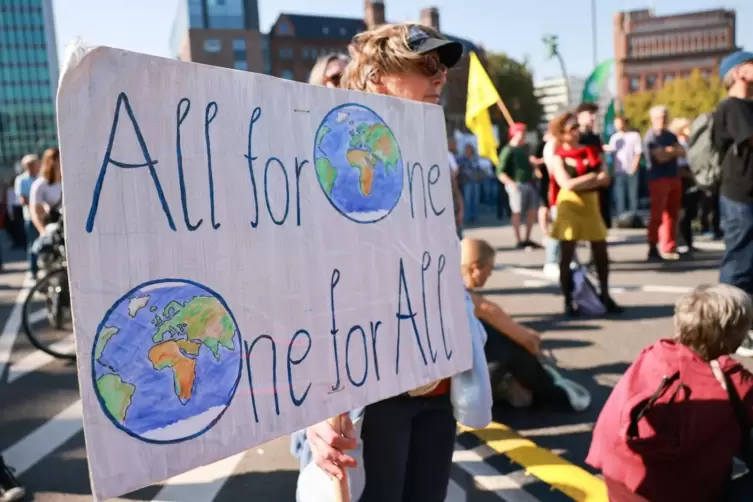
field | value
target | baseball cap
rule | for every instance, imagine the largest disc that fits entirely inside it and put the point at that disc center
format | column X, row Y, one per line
column 516, row 128
column 734, row 59
column 422, row 42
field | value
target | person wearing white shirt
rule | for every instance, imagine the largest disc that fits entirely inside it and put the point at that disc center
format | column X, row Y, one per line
column 626, row 148
column 47, row 190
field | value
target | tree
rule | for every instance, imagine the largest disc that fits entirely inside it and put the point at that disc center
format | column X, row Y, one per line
column 686, row 97
column 514, row 82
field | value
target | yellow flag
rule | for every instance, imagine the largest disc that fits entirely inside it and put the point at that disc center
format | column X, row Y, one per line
column 481, row 95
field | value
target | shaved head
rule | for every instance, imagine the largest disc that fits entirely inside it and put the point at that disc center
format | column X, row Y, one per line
column 476, row 251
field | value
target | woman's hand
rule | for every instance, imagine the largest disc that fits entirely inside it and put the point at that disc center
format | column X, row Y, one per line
column 532, row 343
column 327, row 446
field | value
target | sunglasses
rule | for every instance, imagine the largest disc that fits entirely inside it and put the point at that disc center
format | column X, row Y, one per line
column 430, row 66
column 335, row 79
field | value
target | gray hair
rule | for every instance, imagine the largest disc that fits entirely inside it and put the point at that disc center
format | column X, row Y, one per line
column 713, row 320
column 316, row 77
column 29, row 159
column 658, row 111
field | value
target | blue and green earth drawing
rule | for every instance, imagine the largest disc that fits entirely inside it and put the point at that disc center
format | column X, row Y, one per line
column 358, row 163
column 167, row 361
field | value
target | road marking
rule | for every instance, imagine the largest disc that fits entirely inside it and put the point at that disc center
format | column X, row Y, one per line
column 45, row 439
column 37, row 358
column 200, row 484
column 488, row 478
column 455, row 493
column 10, row 329
column 552, row 469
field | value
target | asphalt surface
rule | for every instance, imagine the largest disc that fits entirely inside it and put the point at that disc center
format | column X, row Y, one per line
column 40, row 413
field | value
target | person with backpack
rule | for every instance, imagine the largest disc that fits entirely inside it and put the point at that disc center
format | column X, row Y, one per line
column 682, row 411
column 577, row 176
column 731, row 160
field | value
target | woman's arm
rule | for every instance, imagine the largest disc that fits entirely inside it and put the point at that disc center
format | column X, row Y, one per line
column 491, row 314
column 580, row 184
column 36, row 208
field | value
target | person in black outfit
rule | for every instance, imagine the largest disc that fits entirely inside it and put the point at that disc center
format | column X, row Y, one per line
column 511, row 349
column 11, row 489
column 586, row 113
column 539, row 164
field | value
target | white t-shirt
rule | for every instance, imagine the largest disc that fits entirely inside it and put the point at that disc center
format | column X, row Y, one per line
column 44, row 193
column 625, row 146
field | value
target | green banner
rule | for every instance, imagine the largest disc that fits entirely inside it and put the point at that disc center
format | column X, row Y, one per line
column 596, row 82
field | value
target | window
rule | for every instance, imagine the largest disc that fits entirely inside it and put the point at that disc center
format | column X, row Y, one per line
column 241, row 65
column 343, row 31
column 668, row 78
column 325, row 30
column 239, row 45
column 287, row 74
column 286, row 53
column 650, row 82
column 305, row 52
column 635, row 84
column 283, row 29
column 212, row 45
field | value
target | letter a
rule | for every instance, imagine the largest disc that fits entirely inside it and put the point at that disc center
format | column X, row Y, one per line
column 123, row 99
column 402, row 317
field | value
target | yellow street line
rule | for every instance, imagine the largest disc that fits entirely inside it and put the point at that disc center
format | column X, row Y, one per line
column 573, row 481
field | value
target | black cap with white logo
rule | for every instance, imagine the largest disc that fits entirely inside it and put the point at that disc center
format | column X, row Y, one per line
column 420, row 41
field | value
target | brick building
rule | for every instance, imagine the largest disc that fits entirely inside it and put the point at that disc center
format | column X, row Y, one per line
column 650, row 50
column 226, row 33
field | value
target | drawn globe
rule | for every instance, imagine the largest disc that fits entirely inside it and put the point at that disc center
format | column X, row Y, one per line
column 166, row 361
column 358, row 163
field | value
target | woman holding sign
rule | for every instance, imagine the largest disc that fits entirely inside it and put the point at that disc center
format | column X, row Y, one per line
column 408, row 440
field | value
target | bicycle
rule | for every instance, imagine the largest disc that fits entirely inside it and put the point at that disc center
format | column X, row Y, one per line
column 49, row 299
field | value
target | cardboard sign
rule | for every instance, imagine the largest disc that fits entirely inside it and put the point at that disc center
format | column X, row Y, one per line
column 248, row 256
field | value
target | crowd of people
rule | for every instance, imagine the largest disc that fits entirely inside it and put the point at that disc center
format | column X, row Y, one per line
column 683, row 410
column 684, row 403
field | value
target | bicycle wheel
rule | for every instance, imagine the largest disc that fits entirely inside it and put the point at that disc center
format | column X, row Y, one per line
column 47, row 317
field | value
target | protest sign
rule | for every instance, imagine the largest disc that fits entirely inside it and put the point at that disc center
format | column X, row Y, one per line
column 247, row 256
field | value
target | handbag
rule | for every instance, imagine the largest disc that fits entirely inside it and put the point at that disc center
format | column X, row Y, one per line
column 741, row 416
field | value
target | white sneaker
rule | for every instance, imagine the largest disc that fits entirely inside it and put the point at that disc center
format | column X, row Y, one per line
column 579, row 397
column 552, row 271
column 746, row 349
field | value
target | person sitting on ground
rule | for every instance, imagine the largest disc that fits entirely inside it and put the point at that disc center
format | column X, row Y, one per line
column 517, row 174
column 669, row 430
column 512, row 351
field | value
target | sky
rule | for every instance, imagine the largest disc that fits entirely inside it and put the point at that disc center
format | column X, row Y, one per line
column 509, row 26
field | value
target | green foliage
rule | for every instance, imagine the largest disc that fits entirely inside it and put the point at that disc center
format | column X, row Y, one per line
column 685, row 97
column 514, row 82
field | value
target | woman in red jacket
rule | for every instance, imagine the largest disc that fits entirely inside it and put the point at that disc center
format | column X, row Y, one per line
column 669, row 430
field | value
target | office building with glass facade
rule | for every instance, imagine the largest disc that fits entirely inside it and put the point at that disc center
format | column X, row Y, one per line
column 218, row 32
column 28, row 79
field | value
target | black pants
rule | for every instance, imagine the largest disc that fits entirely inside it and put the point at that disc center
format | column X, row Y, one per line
column 407, row 449
column 709, row 212
column 504, row 356
column 690, row 202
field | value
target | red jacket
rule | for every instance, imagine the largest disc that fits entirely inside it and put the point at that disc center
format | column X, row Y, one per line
column 683, row 446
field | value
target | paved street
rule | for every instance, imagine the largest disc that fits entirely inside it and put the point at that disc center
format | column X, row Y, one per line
column 525, row 456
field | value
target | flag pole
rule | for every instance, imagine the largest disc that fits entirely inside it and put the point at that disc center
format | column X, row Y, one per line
column 505, row 112
column 342, row 493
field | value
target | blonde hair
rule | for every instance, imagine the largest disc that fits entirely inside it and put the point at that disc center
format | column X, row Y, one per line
column 679, row 126
column 380, row 51
column 317, row 75
column 50, row 158
column 713, row 320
